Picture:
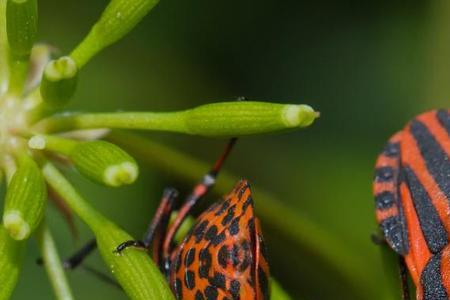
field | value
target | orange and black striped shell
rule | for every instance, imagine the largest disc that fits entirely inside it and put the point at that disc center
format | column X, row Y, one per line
column 412, row 196
column 224, row 256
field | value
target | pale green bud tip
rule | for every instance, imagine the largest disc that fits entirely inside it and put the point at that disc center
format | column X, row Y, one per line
column 59, row 81
column 37, row 142
column 124, row 173
column 62, row 68
column 299, row 115
column 16, row 226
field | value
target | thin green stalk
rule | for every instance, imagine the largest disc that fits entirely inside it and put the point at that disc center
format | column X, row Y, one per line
column 10, row 263
column 118, row 18
column 4, row 68
column 52, row 263
column 216, row 119
column 302, row 232
column 129, row 120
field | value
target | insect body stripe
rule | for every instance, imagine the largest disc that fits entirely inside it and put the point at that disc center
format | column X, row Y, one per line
column 431, row 280
column 430, row 222
column 389, row 209
column 436, row 160
column 444, row 118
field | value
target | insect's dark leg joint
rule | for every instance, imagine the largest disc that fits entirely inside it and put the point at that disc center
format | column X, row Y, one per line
column 131, row 243
column 76, row 259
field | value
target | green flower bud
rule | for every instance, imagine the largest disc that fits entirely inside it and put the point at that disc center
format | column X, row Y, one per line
column 105, row 163
column 119, row 17
column 26, row 197
column 21, row 26
column 246, row 117
column 11, row 253
column 59, row 81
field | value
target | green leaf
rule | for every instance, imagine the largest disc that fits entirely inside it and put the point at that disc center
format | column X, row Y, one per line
column 11, row 254
column 25, row 201
column 4, row 68
column 277, row 292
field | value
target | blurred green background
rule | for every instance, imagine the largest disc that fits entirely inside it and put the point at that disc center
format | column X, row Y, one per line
column 367, row 66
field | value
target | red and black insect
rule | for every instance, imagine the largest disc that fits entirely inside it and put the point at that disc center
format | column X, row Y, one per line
column 222, row 257
column 412, row 198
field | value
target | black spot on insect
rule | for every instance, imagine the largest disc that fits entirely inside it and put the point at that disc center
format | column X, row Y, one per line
column 205, row 263
column 234, row 226
column 235, row 289
column 189, row 258
column 384, row 200
column 242, row 191
column 263, row 283
column 392, row 149
column 247, row 203
column 199, row 231
column 211, row 293
column 245, row 263
column 251, row 226
column 235, row 255
column 218, row 239
column 384, row 174
column 223, row 256
column 223, row 207
column 189, row 279
column 218, row 280
column 199, row 296
column 229, row 216
column 211, row 233
column 178, row 289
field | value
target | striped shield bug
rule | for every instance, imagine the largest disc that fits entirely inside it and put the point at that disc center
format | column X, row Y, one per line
column 412, row 198
column 222, row 257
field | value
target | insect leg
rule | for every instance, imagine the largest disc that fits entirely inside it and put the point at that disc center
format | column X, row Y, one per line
column 157, row 228
column 78, row 257
column 199, row 190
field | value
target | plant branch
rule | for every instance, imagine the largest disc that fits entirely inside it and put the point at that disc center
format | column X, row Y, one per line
column 52, row 263
column 215, row 119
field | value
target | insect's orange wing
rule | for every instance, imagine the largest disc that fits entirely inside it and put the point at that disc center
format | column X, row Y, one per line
column 223, row 257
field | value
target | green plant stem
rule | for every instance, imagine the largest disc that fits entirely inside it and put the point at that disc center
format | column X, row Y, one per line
column 128, row 120
column 52, row 263
column 10, row 263
column 3, row 48
column 301, row 231
column 133, row 269
column 215, row 119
